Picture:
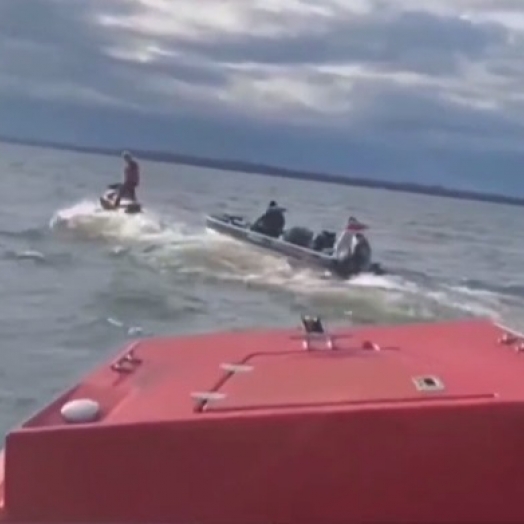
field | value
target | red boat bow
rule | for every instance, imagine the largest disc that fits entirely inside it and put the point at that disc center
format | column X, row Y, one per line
column 417, row 423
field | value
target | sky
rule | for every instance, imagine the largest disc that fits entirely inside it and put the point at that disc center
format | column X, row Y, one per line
column 411, row 90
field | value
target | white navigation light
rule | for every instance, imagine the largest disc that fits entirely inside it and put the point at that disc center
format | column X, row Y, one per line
column 80, row 410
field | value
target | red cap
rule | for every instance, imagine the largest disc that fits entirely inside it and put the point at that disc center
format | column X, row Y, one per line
column 354, row 225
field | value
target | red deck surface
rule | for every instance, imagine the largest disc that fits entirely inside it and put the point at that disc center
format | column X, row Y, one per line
column 296, row 436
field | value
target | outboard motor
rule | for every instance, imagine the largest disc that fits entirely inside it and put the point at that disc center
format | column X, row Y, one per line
column 300, row 236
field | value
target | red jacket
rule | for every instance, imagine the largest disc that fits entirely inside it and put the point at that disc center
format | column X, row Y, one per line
column 132, row 174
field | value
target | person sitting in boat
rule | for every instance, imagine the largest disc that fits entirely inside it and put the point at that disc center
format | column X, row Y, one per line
column 347, row 242
column 361, row 253
column 131, row 179
column 272, row 222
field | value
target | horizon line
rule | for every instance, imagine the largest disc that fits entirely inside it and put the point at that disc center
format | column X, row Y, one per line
column 250, row 167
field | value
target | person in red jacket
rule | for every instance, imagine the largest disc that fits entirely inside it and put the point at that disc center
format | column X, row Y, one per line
column 131, row 179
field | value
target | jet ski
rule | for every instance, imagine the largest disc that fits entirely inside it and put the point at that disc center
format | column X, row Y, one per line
column 107, row 201
column 299, row 244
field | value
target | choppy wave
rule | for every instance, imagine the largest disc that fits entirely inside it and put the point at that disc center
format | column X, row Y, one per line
column 176, row 249
column 86, row 219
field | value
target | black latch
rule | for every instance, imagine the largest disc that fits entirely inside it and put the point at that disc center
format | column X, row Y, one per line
column 312, row 325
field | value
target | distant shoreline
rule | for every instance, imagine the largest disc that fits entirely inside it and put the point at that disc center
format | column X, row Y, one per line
column 263, row 169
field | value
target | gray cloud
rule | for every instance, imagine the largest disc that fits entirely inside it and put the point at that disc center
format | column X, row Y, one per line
column 402, row 77
column 415, row 41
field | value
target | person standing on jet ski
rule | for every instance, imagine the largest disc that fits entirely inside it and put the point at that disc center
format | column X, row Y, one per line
column 272, row 222
column 131, row 179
